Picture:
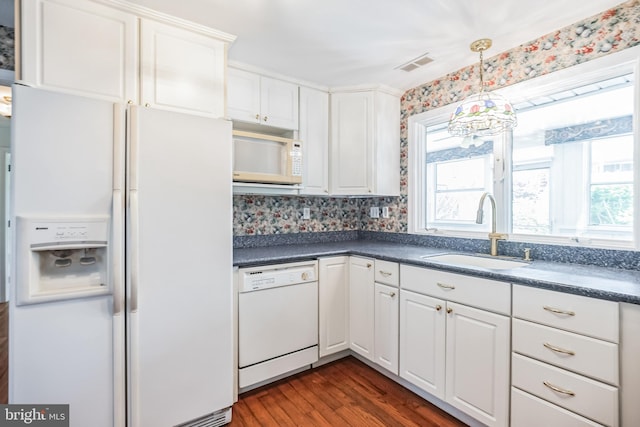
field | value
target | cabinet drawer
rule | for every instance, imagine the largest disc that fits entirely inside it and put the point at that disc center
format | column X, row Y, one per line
column 588, row 316
column 530, row 411
column 592, row 399
column 387, row 272
column 588, row 356
column 476, row 292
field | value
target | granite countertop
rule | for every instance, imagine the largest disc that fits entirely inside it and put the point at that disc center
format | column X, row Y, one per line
column 592, row 281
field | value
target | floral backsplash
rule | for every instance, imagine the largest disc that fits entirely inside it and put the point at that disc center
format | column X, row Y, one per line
column 7, row 48
column 608, row 32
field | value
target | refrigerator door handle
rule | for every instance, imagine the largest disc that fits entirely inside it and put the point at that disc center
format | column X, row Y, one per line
column 133, row 249
column 116, row 242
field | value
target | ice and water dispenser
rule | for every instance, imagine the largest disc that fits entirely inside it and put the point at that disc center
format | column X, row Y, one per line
column 61, row 258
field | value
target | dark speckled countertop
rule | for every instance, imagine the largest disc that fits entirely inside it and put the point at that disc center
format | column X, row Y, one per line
column 599, row 282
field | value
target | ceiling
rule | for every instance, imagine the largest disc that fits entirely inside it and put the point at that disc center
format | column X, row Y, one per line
column 350, row 42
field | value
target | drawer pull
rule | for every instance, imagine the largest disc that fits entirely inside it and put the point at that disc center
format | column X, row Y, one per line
column 558, row 389
column 438, row 307
column 445, row 286
column 385, row 273
column 559, row 350
column 449, row 310
column 392, row 294
column 559, row 311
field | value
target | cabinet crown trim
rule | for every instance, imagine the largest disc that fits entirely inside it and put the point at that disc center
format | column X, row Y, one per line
column 367, row 88
column 145, row 12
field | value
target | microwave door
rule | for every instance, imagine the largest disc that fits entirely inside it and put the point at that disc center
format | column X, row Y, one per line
column 261, row 159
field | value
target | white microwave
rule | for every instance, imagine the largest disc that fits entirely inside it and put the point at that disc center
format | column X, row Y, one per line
column 266, row 158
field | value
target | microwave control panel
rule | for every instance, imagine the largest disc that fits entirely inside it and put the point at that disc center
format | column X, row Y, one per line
column 296, row 159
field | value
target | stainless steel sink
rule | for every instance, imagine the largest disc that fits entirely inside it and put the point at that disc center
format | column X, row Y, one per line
column 476, row 261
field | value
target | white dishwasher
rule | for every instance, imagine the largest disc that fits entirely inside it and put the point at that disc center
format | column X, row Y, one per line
column 277, row 320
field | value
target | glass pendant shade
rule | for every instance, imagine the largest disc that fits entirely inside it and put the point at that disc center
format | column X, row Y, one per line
column 482, row 114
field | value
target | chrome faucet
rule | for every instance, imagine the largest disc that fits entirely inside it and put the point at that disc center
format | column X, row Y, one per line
column 493, row 236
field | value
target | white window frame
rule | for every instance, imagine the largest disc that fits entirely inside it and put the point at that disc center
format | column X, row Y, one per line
column 611, row 65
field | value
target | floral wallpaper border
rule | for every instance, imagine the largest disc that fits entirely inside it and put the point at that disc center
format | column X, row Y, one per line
column 611, row 31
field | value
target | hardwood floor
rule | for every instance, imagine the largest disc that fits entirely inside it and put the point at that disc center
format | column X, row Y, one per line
column 343, row 393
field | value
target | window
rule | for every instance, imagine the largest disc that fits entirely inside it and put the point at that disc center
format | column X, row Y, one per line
column 567, row 171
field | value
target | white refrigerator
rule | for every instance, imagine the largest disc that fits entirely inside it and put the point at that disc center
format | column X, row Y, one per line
column 147, row 341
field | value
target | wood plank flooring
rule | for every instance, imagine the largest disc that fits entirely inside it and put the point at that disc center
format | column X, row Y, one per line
column 343, row 393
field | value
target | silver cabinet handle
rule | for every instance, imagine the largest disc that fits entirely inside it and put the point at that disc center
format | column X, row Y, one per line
column 558, row 349
column 385, row 273
column 369, row 265
column 559, row 311
column 392, row 294
column 257, row 116
column 445, row 286
column 558, row 389
column 266, row 118
column 438, row 307
column 449, row 310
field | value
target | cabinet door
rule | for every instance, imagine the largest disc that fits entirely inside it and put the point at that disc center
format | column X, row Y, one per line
column 422, row 341
column 279, row 103
column 387, row 145
column 477, row 363
column 361, row 306
column 243, row 95
column 181, row 70
column 386, row 327
column 80, row 47
column 314, row 134
column 351, row 143
column 333, row 288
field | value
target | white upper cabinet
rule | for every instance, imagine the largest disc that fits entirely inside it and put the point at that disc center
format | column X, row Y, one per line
column 80, row 47
column 253, row 98
column 181, row 70
column 118, row 54
column 243, row 95
column 314, row 134
column 365, row 143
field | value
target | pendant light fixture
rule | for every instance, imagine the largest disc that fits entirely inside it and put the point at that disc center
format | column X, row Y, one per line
column 483, row 113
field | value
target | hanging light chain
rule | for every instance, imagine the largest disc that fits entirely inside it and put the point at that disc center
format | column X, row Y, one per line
column 481, row 71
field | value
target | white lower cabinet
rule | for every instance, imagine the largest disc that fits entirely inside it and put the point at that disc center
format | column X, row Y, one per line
column 333, row 298
column 422, row 341
column 477, row 363
column 374, row 310
column 361, row 306
column 530, row 411
column 565, row 359
column 386, row 327
column 457, row 352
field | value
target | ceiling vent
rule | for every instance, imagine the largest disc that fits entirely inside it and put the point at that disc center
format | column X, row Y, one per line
column 415, row 63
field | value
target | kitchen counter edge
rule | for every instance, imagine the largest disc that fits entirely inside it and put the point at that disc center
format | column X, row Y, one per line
column 591, row 281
